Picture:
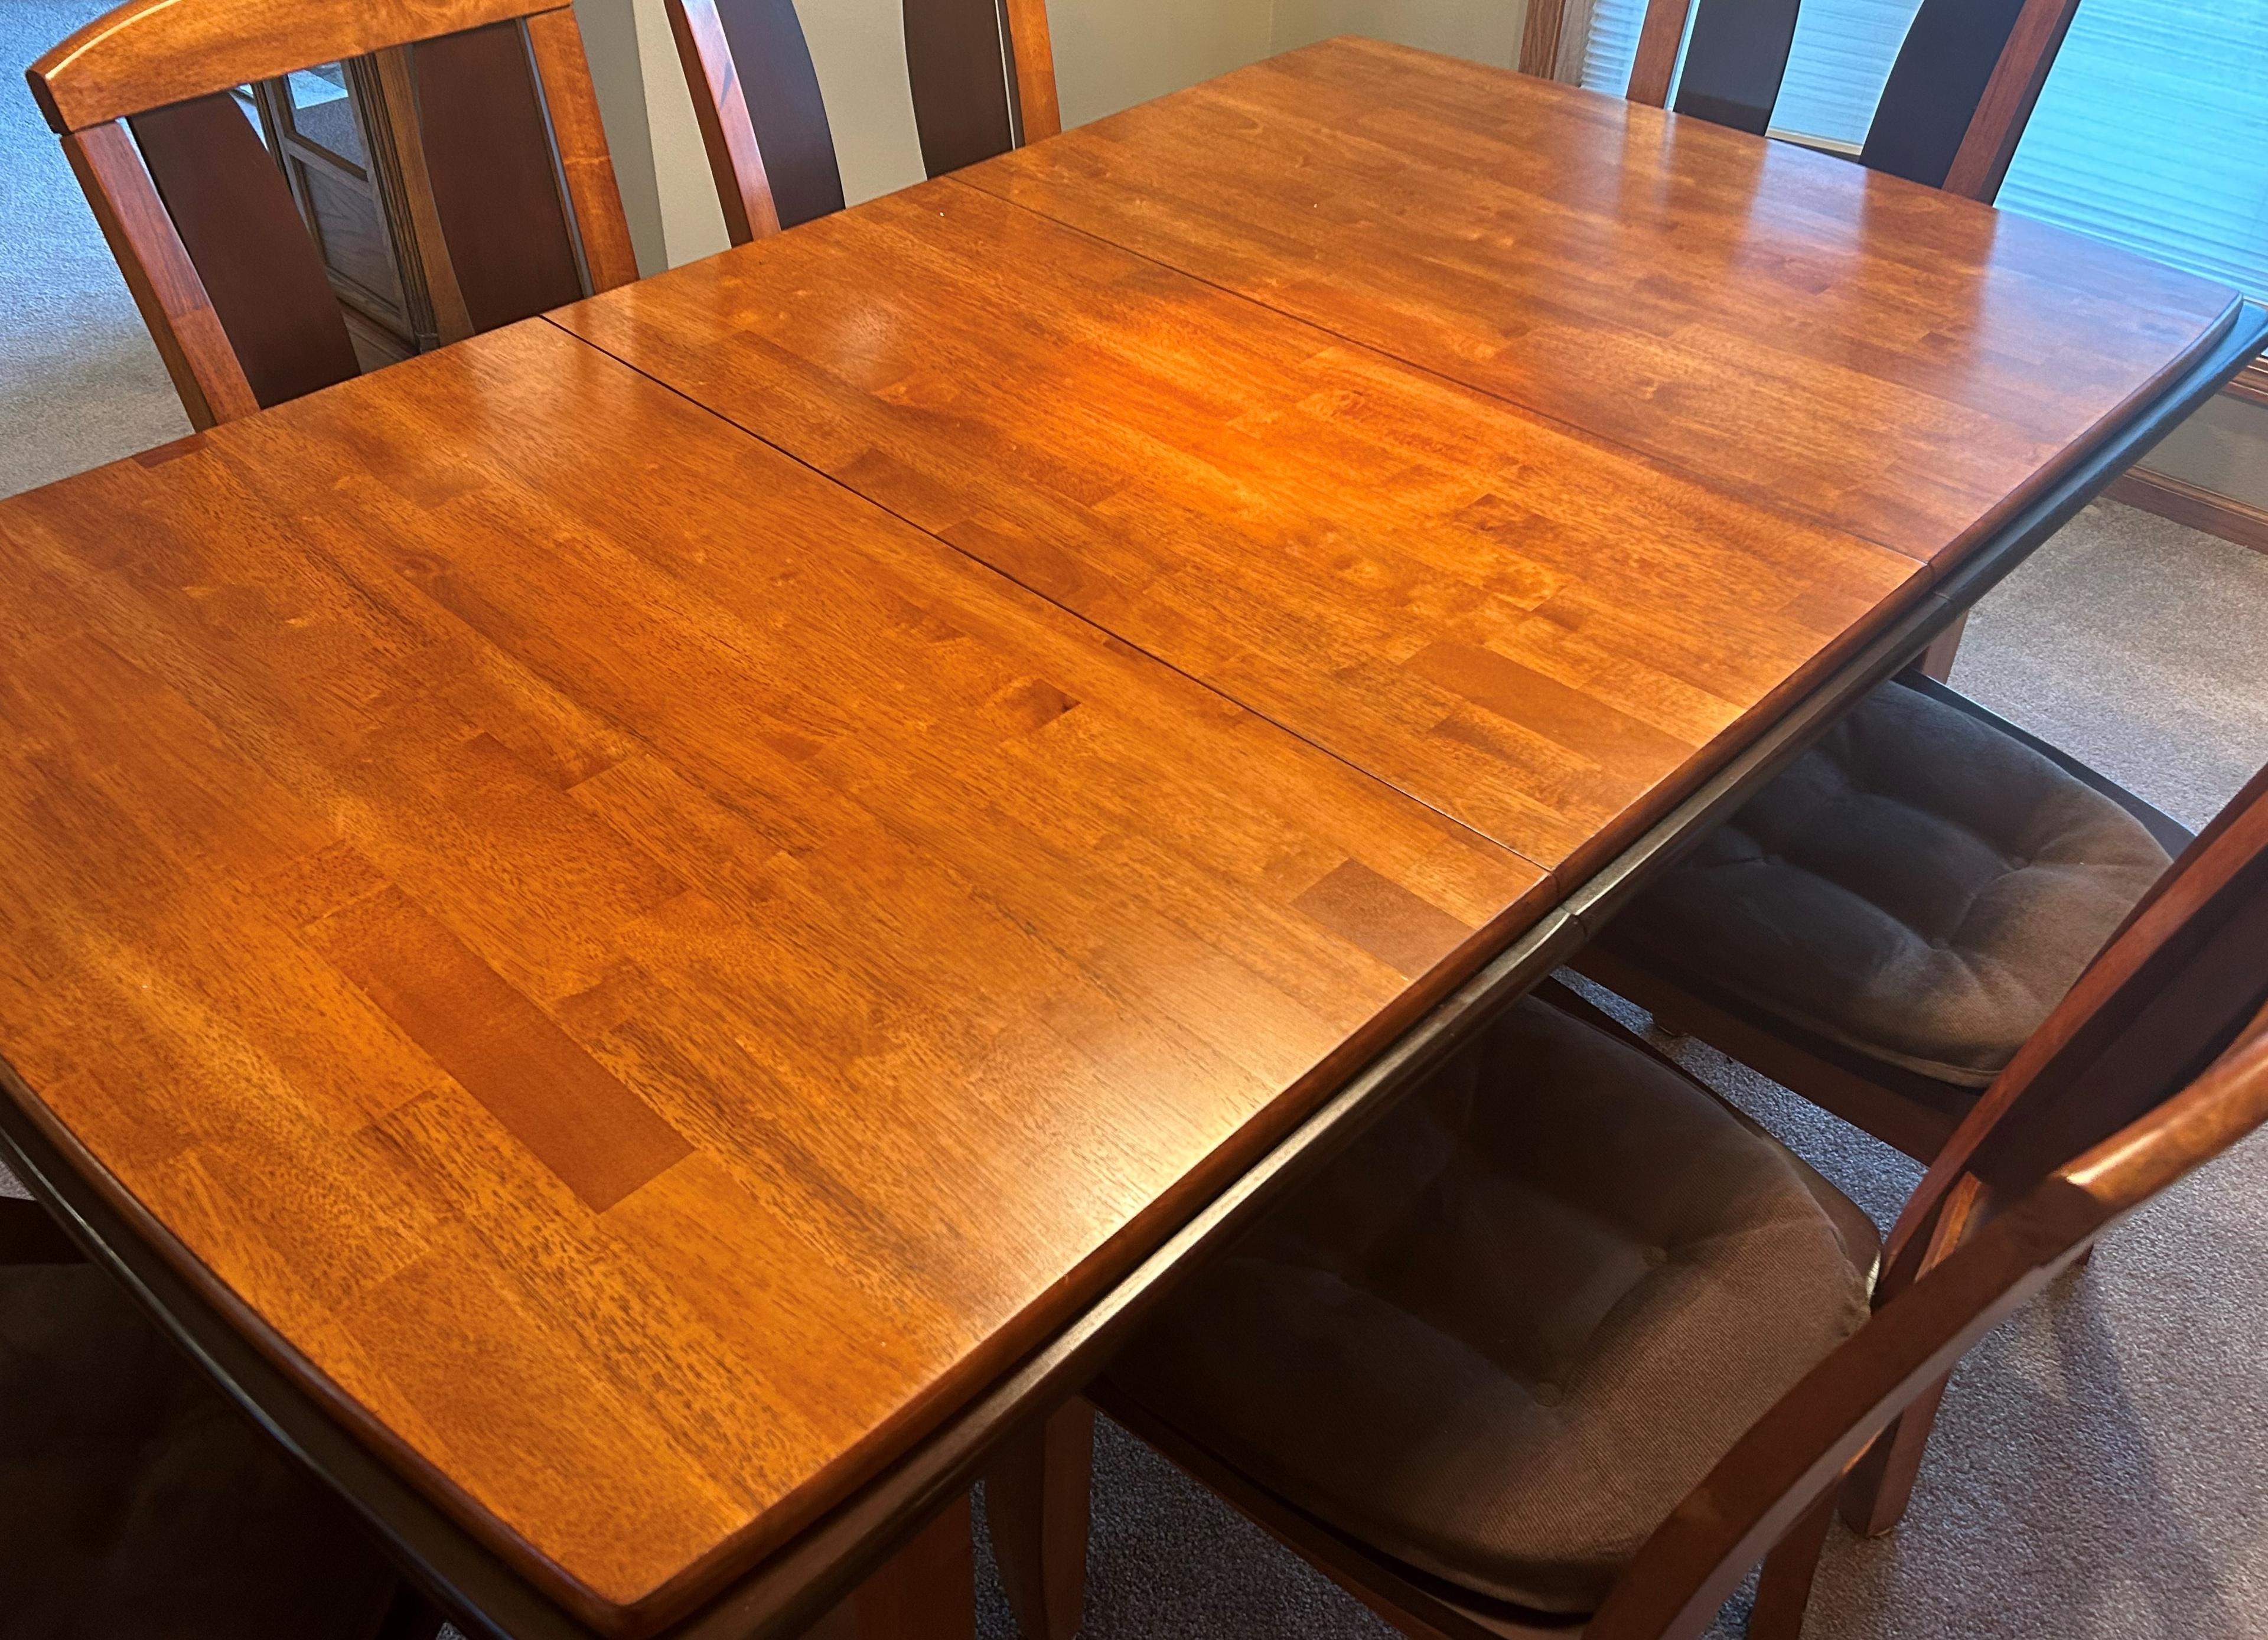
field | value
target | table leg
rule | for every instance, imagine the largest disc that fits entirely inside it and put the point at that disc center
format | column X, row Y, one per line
column 1036, row 1502
column 927, row 1590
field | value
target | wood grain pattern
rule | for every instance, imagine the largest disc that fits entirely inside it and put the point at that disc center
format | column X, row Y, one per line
column 1659, row 36
column 1039, row 115
column 1882, row 358
column 579, row 139
column 650, row 979
column 1542, row 636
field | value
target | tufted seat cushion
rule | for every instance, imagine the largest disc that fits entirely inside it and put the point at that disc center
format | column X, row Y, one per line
column 1919, row 887
column 135, row 1503
column 1502, row 1336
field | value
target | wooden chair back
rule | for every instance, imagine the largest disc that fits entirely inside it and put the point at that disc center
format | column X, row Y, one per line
column 1764, row 1490
column 510, row 179
column 981, row 73
column 1959, row 96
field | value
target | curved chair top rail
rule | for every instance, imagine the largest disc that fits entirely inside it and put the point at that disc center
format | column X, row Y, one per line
column 153, row 53
column 506, row 157
column 1802, row 1448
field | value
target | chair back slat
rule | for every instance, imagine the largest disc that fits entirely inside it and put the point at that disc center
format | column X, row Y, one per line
column 980, row 74
column 789, row 117
column 1736, row 60
column 1962, row 89
column 1039, row 116
column 160, row 274
column 570, row 103
column 1659, row 37
column 491, row 137
column 488, row 155
column 1960, row 92
column 957, row 61
column 234, row 214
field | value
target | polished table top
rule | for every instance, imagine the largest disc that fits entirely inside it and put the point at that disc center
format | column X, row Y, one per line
column 1835, row 344
column 648, row 964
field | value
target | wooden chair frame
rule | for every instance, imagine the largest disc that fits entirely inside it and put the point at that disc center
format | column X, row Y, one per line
column 1994, row 130
column 1770, row 1498
column 2155, row 1063
column 150, row 54
column 728, row 131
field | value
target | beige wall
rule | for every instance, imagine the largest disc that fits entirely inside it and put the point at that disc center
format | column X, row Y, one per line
column 1113, row 53
column 1109, row 54
column 1485, row 30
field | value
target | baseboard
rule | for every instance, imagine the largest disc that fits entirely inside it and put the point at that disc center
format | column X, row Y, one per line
column 2186, row 504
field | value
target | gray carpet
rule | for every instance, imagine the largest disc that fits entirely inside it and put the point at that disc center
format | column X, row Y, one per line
column 80, row 382
column 2099, row 1466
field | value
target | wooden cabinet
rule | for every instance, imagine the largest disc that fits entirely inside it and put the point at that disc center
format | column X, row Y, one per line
column 341, row 133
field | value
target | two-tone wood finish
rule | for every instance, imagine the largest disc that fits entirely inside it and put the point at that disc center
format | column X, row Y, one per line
column 1842, row 347
column 227, row 214
column 646, row 980
column 1539, row 634
column 980, row 74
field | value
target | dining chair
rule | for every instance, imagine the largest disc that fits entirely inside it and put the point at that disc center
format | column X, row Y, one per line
column 1565, row 1345
column 135, row 1500
column 2156, row 1006
column 506, row 162
column 982, row 74
column 1960, row 93
column 1885, row 924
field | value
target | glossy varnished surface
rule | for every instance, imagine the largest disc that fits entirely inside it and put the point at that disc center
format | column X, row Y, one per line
column 1845, row 347
column 1541, row 635
column 650, row 976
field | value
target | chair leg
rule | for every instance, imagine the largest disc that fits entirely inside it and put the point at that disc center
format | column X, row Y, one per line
column 927, row 1590
column 1874, row 1497
column 1937, row 660
column 1036, row 1496
column 1785, row 1589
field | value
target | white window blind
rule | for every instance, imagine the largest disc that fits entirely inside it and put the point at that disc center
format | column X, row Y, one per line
column 2151, row 131
column 1837, row 66
column 1613, row 45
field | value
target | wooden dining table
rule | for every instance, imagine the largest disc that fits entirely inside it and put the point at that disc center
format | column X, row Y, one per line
column 650, row 933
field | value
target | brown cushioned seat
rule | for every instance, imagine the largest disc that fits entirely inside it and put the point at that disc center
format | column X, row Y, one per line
column 1919, row 887
column 136, row 1504
column 1502, row 1336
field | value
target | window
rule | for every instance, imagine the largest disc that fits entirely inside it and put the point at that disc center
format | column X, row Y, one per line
column 2151, row 131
